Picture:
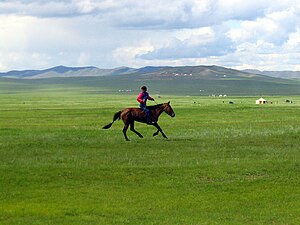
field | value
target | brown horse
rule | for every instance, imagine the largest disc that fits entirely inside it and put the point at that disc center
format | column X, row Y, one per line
column 129, row 115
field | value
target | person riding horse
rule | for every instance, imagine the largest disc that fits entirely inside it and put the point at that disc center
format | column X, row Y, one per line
column 130, row 115
column 142, row 99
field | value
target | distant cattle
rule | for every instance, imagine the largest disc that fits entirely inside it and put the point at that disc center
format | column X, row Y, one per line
column 231, row 102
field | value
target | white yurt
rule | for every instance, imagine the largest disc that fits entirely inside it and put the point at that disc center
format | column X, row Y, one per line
column 261, row 101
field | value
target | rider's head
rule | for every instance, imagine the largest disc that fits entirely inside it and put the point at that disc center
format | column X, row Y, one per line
column 144, row 89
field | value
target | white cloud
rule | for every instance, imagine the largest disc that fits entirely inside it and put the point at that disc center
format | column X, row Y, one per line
column 155, row 14
column 109, row 33
column 273, row 28
column 127, row 55
column 213, row 43
column 83, row 59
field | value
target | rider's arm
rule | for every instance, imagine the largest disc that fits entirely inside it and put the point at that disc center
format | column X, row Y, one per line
column 150, row 98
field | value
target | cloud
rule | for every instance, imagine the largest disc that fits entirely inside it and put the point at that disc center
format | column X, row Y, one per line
column 41, row 9
column 150, row 14
column 213, row 43
column 110, row 33
column 56, row 41
column 83, row 59
column 274, row 28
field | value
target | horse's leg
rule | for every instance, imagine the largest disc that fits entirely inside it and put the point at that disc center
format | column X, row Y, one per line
column 159, row 129
column 125, row 129
column 156, row 133
column 133, row 130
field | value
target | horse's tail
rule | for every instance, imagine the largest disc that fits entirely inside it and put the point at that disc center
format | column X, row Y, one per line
column 117, row 116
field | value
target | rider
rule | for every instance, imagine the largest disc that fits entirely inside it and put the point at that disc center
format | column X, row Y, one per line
column 142, row 99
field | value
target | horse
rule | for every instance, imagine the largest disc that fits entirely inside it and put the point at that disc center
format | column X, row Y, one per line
column 130, row 115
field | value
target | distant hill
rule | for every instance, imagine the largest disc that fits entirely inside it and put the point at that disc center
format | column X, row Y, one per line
column 279, row 74
column 208, row 72
column 183, row 80
column 63, row 71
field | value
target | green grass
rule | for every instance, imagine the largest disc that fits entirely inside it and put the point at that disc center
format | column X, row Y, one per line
column 222, row 164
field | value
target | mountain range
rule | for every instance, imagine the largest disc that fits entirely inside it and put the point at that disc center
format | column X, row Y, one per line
column 63, row 71
column 181, row 80
column 279, row 74
column 209, row 72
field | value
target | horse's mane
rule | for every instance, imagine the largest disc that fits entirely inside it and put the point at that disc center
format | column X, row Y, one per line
column 154, row 106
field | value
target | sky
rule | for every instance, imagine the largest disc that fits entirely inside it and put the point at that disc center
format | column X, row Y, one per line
column 240, row 34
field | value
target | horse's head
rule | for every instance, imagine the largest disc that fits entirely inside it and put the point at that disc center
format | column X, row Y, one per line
column 168, row 109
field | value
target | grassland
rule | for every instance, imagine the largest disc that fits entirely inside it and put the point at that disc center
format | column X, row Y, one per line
column 222, row 164
column 233, row 85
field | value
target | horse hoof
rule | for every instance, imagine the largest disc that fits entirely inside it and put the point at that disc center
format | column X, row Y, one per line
column 141, row 136
column 127, row 140
column 155, row 134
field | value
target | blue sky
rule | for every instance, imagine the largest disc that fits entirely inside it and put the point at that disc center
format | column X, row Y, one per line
column 239, row 34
